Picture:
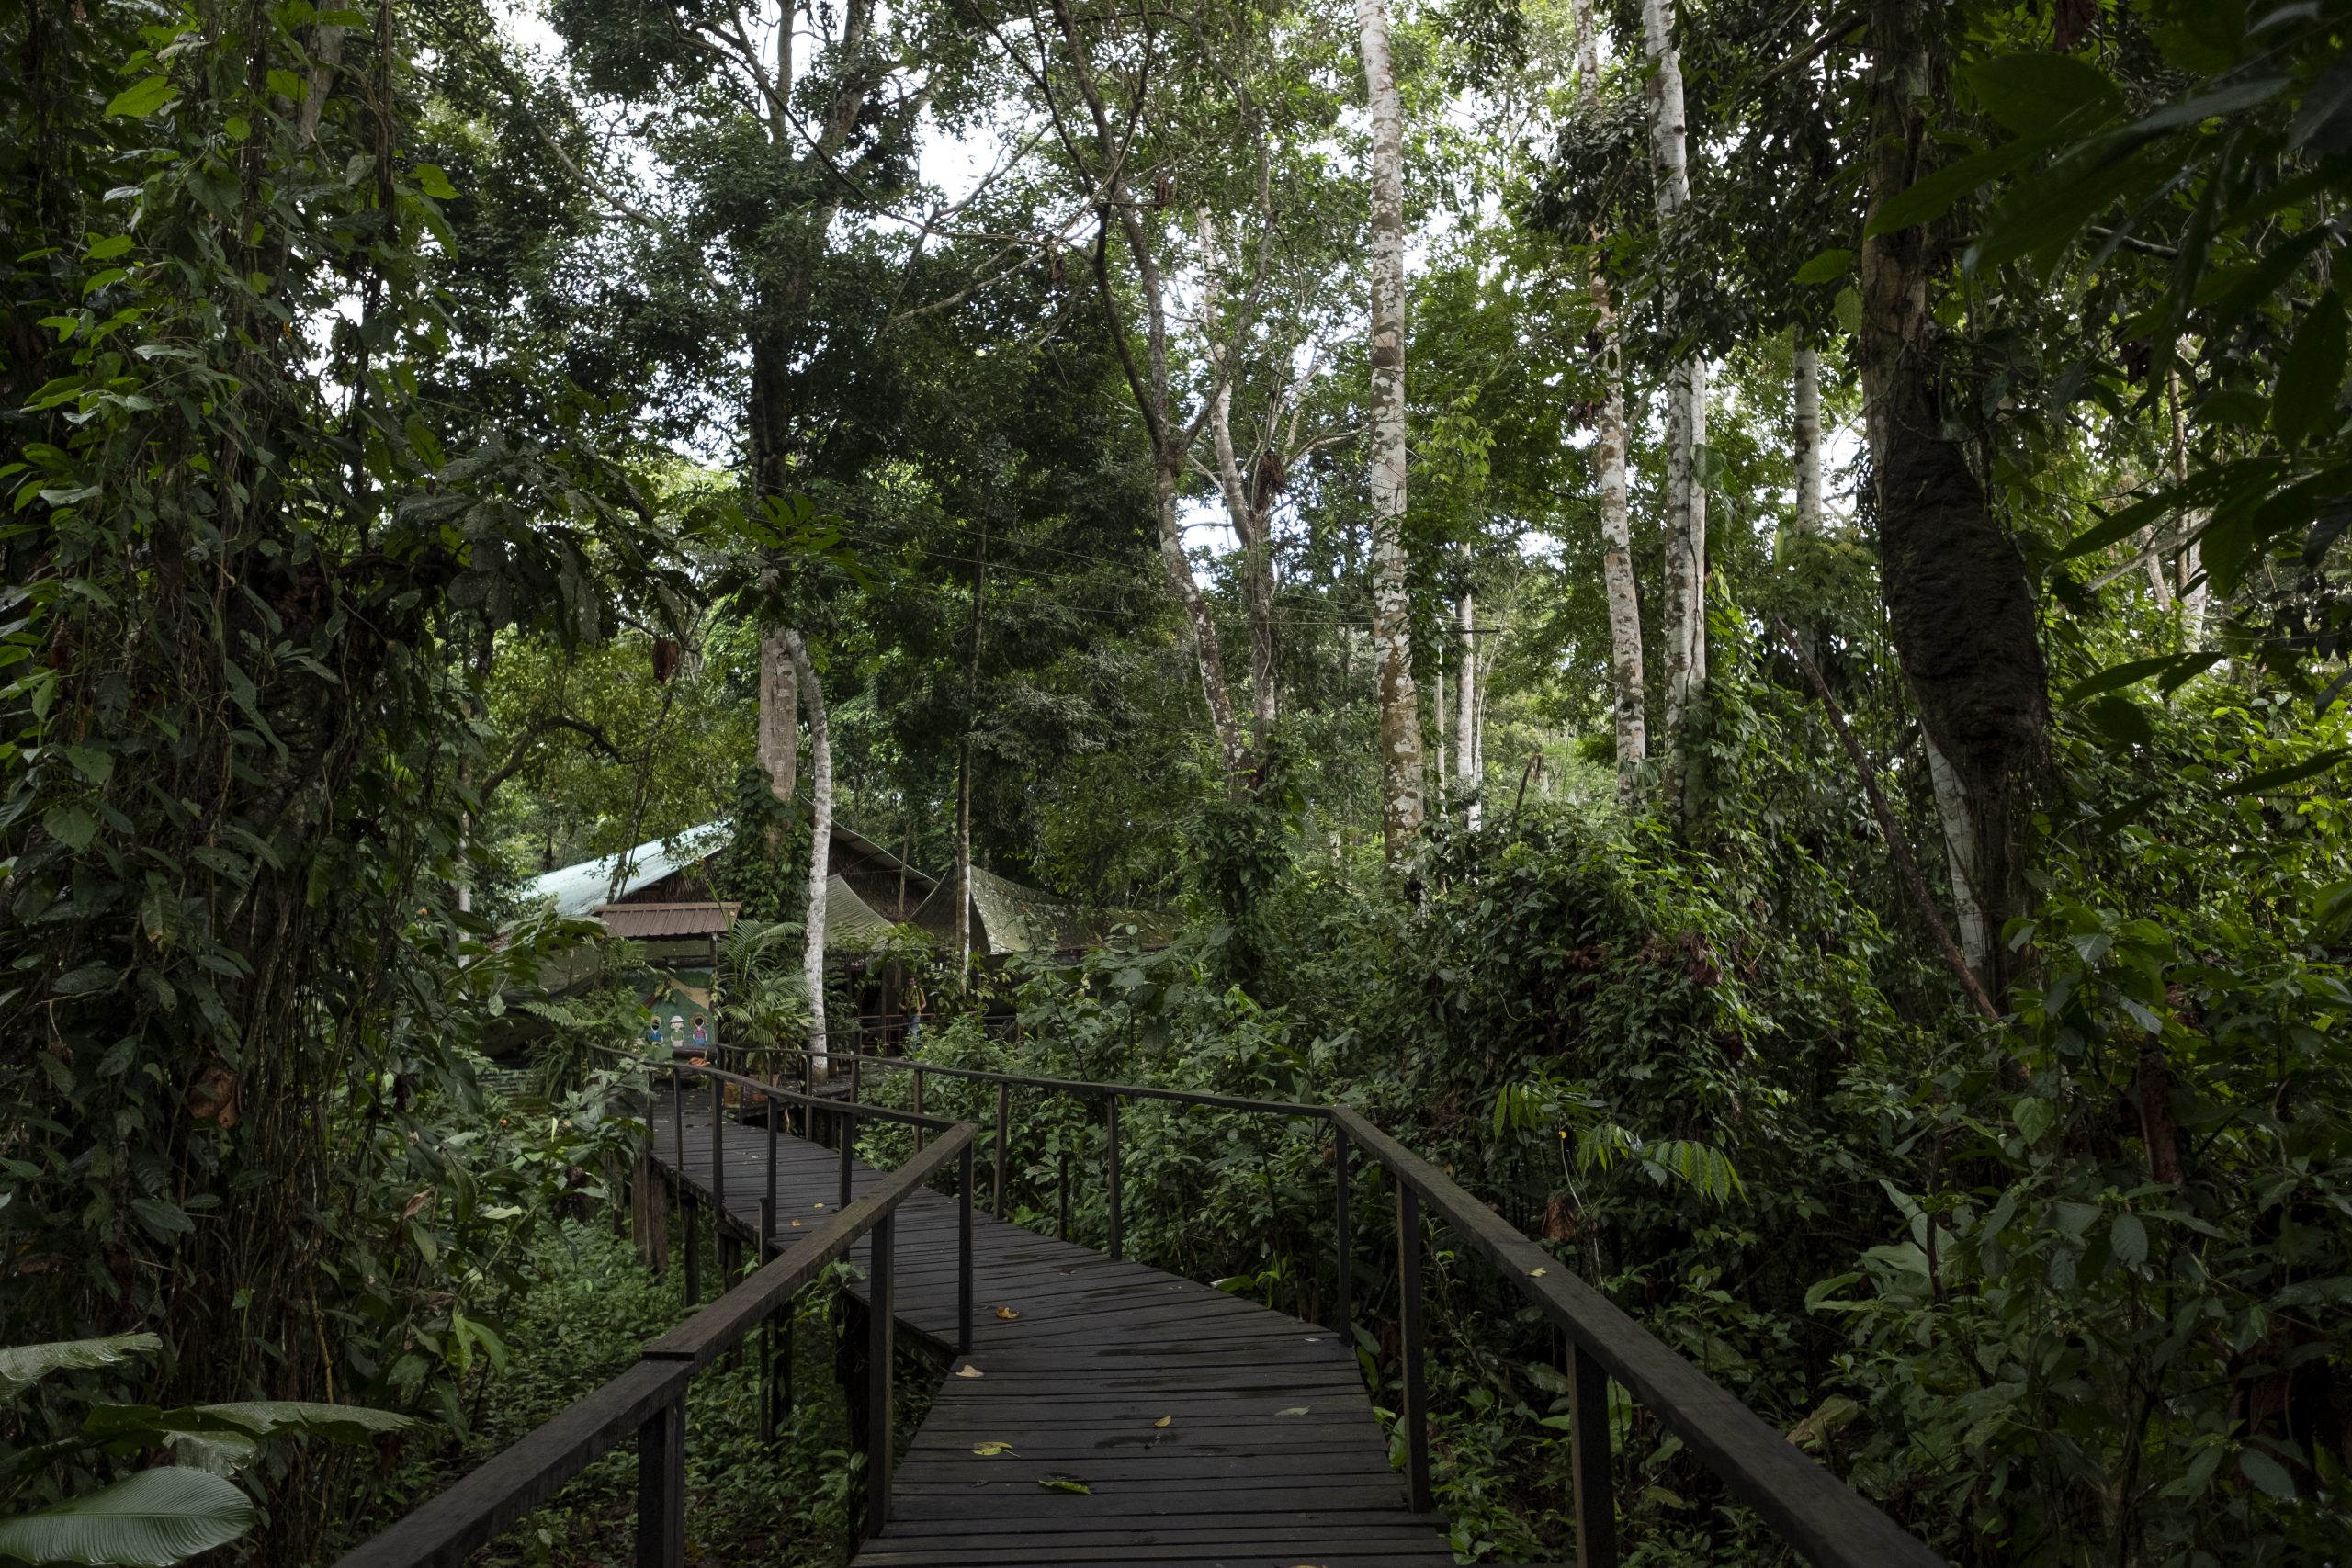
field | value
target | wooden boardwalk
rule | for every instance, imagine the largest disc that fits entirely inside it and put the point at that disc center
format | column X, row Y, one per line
column 1206, row 1431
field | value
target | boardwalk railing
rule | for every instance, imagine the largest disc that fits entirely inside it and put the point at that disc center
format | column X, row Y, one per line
column 648, row 1401
column 1805, row 1505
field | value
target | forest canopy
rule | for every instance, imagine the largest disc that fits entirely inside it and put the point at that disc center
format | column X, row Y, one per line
column 1735, row 617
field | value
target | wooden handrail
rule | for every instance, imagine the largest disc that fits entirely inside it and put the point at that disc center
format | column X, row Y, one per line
column 1805, row 1503
column 649, row 1399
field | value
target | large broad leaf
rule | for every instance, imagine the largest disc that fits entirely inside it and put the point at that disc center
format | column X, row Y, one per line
column 2038, row 94
column 239, row 1424
column 151, row 1521
column 343, row 1423
column 28, row 1364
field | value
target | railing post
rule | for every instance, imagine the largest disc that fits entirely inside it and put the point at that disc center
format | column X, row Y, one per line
column 686, row 1207
column 808, row 1087
column 855, row 1078
column 717, row 1152
column 1111, row 1158
column 661, row 1487
column 918, row 1073
column 1003, row 1112
column 1061, row 1224
column 963, row 1254
column 1345, row 1245
column 1588, row 1456
column 1416, row 1414
column 678, row 1119
column 767, row 1211
column 880, row 1343
column 848, row 1137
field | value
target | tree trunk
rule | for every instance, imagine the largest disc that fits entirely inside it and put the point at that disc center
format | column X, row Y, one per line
column 1627, row 678
column 1686, row 421
column 1465, row 708
column 779, row 745
column 820, row 816
column 1206, row 649
column 1958, row 606
column 964, row 866
column 1400, row 721
column 1807, row 453
column 1249, row 502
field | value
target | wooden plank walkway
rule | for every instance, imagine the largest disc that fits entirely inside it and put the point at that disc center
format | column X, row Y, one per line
column 1210, row 1432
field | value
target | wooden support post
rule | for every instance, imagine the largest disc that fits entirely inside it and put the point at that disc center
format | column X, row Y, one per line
column 1111, row 1158
column 964, row 1253
column 694, row 1253
column 678, row 1117
column 1343, row 1319
column 918, row 1073
column 719, row 1149
column 847, row 1126
column 1588, row 1444
column 880, row 1327
column 1416, row 1412
column 661, row 1487
column 1061, row 1224
column 1003, row 1117
column 767, row 1209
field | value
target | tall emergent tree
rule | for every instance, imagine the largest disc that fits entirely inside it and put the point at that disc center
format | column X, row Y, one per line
column 1401, row 784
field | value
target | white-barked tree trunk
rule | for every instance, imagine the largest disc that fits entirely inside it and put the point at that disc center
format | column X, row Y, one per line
column 820, row 817
column 1686, row 419
column 1627, row 676
column 1401, row 804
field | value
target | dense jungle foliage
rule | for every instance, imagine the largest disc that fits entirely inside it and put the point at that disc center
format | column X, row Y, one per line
column 1731, row 618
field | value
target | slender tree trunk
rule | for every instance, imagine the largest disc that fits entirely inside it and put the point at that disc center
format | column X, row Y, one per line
column 1627, row 676
column 964, row 866
column 1400, row 721
column 1686, row 421
column 1958, row 606
column 1808, row 436
column 1248, row 501
column 1438, row 776
column 1628, row 681
column 1465, row 708
column 964, row 772
column 820, row 790
column 2188, row 580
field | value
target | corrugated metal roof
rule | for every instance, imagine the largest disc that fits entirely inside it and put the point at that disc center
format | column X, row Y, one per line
column 579, row 889
column 640, row 922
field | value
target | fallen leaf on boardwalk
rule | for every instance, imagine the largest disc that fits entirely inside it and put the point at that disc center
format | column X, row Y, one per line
column 1064, row 1484
column 969, row 1371
column 1163, row 1421
column 1007, row 1313
column 990, row 1449
column 1535, row 1273
column 795, row 1224
column 1293, row 1410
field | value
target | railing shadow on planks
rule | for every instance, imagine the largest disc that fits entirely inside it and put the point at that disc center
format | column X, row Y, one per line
column 1803, row 1504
